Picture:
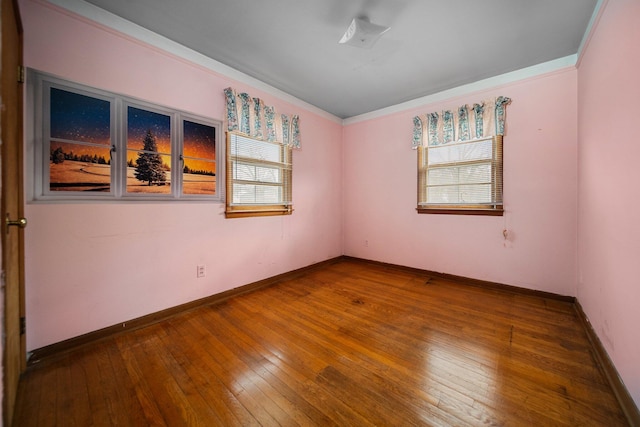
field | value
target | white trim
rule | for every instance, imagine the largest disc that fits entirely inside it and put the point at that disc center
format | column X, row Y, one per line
column 513, row 76
column 591, row 27
column 128, row 28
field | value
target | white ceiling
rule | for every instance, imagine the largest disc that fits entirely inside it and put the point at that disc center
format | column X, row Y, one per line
column 433, row 45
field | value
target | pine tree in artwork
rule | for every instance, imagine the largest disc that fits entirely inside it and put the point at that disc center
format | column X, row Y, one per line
column 149, row 163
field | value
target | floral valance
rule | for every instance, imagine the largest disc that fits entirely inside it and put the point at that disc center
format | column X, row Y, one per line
column 250, row 116
column 466, row 123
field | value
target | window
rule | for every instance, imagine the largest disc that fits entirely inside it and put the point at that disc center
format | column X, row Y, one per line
column 460, row 158
column 461, row 177
column 91, row 144
column 258, row 177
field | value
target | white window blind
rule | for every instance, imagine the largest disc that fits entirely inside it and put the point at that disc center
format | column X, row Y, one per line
column 462, row 174
column 258, row 175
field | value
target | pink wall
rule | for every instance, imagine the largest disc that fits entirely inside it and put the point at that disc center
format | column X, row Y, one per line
column 540, row 180
column 94, row 265
column 608, row 220
column 91, row 265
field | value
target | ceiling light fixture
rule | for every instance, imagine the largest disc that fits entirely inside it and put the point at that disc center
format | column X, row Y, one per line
column 362, row 33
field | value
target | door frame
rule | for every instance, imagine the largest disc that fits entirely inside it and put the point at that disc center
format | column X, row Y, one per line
column 12, row 203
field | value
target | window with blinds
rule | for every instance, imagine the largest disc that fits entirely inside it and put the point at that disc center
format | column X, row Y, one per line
column 461, row 177
column 258, row 177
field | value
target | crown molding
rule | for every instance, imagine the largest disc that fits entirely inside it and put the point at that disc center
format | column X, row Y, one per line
column 591, row 27
column 502, row 79
column 111, row 21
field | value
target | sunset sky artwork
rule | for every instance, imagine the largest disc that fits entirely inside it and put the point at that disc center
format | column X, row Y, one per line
column 81, row 125
column 199, row 140
column 139, row 121
column 199, row 146
column 80, row 118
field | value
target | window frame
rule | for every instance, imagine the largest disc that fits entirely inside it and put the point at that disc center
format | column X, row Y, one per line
column 497, row 185
column 243, row 210
column 39, row 87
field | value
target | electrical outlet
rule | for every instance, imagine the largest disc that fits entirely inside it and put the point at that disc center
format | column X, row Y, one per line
column 201, row 271
column 366, row 243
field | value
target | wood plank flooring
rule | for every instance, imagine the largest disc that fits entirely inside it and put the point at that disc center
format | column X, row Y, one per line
column 350, row 344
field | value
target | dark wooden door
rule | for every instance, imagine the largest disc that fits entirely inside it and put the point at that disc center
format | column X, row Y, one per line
column 14, row 357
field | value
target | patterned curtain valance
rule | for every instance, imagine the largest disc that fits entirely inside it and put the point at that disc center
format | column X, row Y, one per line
column 250, row 116
column 466, row 123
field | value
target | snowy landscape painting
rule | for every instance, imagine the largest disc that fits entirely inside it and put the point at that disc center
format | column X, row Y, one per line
column 81, row 149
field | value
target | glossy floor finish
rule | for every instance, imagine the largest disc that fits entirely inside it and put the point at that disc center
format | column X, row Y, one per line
column 348, row 344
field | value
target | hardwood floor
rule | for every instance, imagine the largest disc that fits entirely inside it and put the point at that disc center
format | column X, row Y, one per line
column 348, row 344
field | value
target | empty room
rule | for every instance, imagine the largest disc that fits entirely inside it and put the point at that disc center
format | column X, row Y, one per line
column 392, row 212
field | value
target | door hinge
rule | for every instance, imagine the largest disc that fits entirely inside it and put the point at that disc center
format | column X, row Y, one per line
column 20, row 74
column 23, row 326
